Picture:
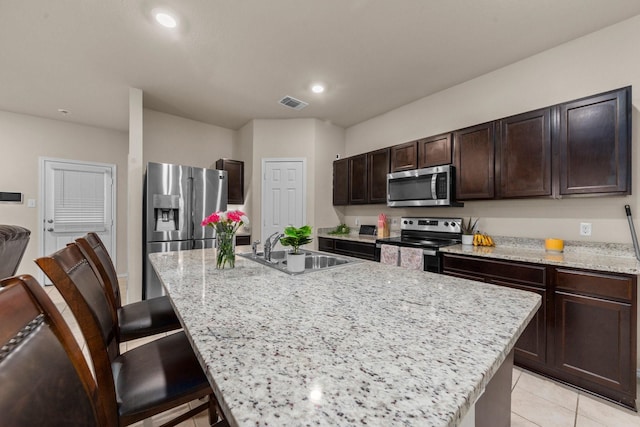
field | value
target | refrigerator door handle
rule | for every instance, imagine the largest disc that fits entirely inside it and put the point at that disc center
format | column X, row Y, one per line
column 189, row 198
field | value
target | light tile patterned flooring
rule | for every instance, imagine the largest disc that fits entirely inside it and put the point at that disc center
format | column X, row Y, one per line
column 535, row 400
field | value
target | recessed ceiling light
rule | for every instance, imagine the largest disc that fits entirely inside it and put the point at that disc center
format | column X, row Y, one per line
column 317, row 88
column 165, row 19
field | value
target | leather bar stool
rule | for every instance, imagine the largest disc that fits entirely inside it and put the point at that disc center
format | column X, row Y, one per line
column 139, row 383
column 44, row 377
column 13, row 244
column 136, row 320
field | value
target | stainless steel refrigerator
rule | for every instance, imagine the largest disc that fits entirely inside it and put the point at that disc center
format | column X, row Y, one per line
column 176, row 199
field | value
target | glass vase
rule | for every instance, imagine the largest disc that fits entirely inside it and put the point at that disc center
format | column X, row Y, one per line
column 226, row 250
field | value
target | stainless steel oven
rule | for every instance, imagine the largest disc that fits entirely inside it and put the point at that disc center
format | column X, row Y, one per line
column 428, row 234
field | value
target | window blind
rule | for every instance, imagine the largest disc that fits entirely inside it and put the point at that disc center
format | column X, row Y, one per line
column 79, row 201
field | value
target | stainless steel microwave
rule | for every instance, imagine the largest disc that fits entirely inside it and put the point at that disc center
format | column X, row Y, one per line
column 422, row 187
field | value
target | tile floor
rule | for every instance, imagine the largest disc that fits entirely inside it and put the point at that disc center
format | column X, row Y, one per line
column 535, row 400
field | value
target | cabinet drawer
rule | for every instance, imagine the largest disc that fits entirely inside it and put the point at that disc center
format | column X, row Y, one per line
column 533, row 275
column 597, row 284
column 325, row 244
column 243, row 240
column 355, row 249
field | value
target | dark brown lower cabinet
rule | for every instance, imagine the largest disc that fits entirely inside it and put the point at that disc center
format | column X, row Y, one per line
column 532, row 344
column 585, row 332
column 325, row 244
column 531, row 347
column 595, row 337
column 362, row 250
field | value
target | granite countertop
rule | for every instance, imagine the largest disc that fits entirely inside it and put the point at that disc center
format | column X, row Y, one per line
column 362, row 343
column 609, row 257
column 351, row 236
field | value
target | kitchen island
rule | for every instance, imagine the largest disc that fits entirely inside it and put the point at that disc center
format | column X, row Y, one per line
column 359, row 344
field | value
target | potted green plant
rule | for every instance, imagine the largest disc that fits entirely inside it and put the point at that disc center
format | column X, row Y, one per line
column 468, row 228
column 296, row 237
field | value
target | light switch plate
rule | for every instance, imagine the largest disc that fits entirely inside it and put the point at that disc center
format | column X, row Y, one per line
column 31, row 203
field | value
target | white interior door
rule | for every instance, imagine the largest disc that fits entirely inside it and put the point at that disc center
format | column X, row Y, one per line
column 76, row 198
column 283, row 195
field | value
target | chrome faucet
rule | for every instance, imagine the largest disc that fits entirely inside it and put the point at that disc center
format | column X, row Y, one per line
column 269, row 244
column 254, row 248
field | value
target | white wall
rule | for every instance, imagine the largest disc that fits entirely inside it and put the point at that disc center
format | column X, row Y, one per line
column 293, row 138
column 23, row 139
column 243, row 150
column 329, row 143
column 134, row 193
column 173, row 139
column 596, row 63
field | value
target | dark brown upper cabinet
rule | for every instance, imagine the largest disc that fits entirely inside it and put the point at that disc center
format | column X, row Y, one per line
column 361, row 179
column 523, row 149
column 235, row 179
column 434, row 151
column 474, row 154
column 404, row 157
column 378, row 165
column 594, row 144
column 341, row 182
column 358, row 193
column 579, row 147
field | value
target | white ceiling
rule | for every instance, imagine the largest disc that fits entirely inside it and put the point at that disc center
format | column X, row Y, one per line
column 231, row 61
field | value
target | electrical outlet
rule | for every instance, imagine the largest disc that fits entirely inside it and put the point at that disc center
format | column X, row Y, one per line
column 394, row 221
column 585, row 229
column 357, row 221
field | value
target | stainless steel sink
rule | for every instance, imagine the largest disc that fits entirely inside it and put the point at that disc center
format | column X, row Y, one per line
column 314, row 261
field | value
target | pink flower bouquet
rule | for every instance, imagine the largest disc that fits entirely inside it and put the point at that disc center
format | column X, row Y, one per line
column 226, row 225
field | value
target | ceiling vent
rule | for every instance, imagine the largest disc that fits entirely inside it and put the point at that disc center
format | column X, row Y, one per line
column 291, row 102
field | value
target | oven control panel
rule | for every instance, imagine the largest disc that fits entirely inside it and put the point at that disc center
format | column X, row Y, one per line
column 442, row 225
